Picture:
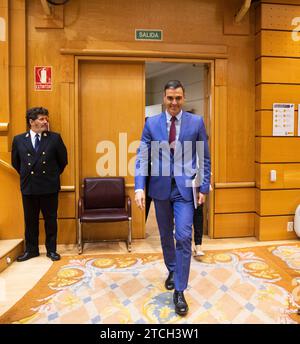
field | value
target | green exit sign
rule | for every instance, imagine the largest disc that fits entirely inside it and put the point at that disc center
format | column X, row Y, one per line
column 148, row 35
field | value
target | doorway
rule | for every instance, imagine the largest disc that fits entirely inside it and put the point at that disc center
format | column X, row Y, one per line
column 113, row 95
column 195, row 79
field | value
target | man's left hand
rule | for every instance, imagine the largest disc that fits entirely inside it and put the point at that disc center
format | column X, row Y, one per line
column 201, row 198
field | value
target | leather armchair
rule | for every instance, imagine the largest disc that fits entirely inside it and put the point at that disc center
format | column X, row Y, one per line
column 104, row 200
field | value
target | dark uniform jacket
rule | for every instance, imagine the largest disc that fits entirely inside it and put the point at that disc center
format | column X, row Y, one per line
column 39, row 171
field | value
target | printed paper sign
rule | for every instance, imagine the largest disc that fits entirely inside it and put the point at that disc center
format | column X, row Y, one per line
column 43, row 78
column 283, row 119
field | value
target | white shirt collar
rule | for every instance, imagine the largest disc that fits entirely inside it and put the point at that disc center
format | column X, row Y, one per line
column 32, row 134
column 178, row 117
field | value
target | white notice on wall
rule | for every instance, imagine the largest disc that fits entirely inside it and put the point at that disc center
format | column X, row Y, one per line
column 283, row 119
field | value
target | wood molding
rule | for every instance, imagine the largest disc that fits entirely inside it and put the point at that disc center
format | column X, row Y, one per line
column 3, row 127
column 67, row 188
column 234, row 185
column 6, row 165
column 209, row 52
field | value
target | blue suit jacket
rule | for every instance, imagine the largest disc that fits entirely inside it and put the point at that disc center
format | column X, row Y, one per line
column 184, row 167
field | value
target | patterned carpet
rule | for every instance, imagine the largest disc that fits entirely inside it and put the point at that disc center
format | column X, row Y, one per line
column 241, row 286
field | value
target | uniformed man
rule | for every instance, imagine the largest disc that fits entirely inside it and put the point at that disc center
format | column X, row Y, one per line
column 39, row 156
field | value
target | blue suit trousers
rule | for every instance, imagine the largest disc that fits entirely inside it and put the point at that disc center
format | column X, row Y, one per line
column 177, row 256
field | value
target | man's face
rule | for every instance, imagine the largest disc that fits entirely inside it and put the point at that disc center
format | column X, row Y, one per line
column 40, row 124
column 174, row 100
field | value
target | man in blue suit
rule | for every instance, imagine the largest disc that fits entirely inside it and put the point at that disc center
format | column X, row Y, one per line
column 176, row 143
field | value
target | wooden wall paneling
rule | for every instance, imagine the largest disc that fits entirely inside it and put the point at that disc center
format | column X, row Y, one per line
column 277, row 149
column 4, row 66
column 277, row 70
column 278, row 202
column 66, row 205
column 221, row 72
column 237, row 200
column 264, row 123
column 116, row 90
column 18, row 68
column 230, row 27
column 234, row 225
column 267, row 94
column 257, row 18
column 11, row 211
column 67, row 131
column 66, row 233
column 278, row 16
column 288, row 176
column 240, row 125
column 273, row 228
column 66, row 70
column 277, row 43
column 220, row 156
column 286, row 2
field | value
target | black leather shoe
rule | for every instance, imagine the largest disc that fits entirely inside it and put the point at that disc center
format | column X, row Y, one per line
column 169, row 283
column 53, row 256
column 27, row 255
column 181, row 306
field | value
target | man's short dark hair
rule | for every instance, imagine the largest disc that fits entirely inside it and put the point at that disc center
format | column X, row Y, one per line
column 34, row 112
column 173, row 84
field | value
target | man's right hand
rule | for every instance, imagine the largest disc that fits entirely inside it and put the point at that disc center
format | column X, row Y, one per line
column 140, row 199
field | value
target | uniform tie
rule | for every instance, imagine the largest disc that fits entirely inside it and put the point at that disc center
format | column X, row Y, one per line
column 172, row 134
column 37, row 142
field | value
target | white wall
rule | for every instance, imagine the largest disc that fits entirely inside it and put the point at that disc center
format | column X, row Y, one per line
column 192, row 78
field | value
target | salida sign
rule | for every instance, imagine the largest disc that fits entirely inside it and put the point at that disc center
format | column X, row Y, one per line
column 43, row 78
column 148, row 35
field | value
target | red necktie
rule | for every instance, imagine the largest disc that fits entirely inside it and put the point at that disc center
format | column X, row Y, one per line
column 172, row 134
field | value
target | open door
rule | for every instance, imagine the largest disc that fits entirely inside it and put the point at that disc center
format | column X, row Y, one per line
column 110, row 122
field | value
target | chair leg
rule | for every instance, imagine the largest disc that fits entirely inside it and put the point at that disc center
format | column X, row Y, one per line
column 79, row 242
column 129, row 234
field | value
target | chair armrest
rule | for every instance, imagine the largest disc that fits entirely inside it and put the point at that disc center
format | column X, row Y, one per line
column 128, row 206
column 80, row 207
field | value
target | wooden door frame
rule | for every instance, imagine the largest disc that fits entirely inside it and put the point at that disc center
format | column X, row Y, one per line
column 127, row 57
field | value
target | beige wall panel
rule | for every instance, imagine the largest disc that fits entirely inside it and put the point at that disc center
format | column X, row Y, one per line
column 221, row 134
column 11, row 209
column 277, row 149
column 278, row 17
column 273, row 228
column 66, row 232
column 288, row 176
column 278, row 202
column 267, row 94
column 277, row 70
column 234, row 200
column 277, row 43
column 264, row 123
column 111, row 103
column 234, row 225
